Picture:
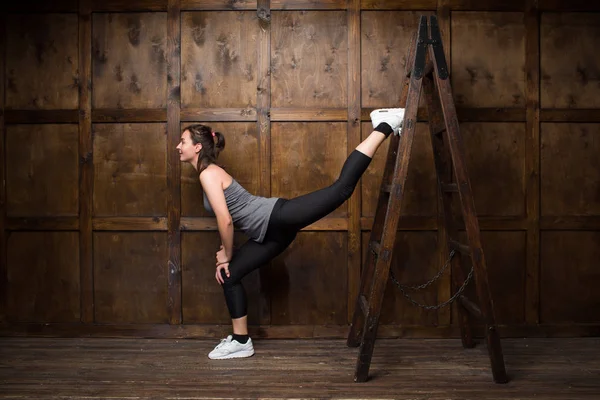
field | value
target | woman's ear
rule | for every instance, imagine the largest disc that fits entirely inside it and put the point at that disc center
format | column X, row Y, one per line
column 198, row 147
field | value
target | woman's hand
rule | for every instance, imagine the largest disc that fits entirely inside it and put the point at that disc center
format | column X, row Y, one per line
column 224, row 266
column 222, row 256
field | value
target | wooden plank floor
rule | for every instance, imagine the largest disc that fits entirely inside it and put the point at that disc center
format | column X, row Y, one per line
column 72, row 368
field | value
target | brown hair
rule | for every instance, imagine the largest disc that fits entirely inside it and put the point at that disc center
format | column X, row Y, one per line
column 211, row 148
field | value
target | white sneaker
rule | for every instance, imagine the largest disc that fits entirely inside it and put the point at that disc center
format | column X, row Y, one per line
column 392, row 116
column 229, row 348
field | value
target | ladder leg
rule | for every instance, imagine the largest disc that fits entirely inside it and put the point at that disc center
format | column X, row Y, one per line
column 443, row 166
column 358, row 320
column 472, row 225
column 392, row 215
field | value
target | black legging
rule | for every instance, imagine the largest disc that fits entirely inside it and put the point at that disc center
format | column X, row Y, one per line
column 287, row 218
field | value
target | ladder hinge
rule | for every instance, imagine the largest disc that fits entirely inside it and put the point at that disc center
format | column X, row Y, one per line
column 421, row 50
column 438, row 51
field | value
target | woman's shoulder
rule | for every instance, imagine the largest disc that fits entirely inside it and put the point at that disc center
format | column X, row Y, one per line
column 214, row 175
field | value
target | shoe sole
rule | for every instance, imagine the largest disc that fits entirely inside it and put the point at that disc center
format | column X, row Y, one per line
column 237, row 354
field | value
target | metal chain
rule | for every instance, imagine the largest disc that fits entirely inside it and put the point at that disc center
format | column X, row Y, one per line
column 438, row 306
column 428, row 283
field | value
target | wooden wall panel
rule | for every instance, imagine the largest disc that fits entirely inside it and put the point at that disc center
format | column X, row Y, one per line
column 307, row 284
column 42, row 170
column 129, row 62
column 309, row 59
column 307, row 156
column 420, row 195
column 203, row 298
column 415, row 261
column 482, row 77
column 495, row 154
column 218, row 59
column 570, row 63
column 43, row 277
column 130, row 169
column 240, row 159
column 41, row 61
column 569, row 277
column 385, row 38
column 130, row 277
column 505, row 253
column 570, row 170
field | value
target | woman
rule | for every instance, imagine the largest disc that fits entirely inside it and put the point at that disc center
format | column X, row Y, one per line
column 271, row 223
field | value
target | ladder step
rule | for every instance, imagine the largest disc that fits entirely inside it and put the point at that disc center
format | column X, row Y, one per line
column 364, row 305
column 463, row 248
column 470, row 306
column 450, row 187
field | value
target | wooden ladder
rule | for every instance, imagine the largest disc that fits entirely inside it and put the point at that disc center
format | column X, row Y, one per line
column 427, row 68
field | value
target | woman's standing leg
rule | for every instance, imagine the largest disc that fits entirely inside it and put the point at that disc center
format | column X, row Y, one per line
column 252, row 255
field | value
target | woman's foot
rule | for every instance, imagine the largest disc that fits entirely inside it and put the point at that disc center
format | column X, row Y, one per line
column 231, row 348
column 394, row 117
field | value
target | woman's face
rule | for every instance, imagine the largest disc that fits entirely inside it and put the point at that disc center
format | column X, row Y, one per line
column 187, row 149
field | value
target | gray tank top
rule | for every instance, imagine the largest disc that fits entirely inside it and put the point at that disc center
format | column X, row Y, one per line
column 249, row 213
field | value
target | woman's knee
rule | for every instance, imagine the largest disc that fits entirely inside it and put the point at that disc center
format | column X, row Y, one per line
column 229, row 281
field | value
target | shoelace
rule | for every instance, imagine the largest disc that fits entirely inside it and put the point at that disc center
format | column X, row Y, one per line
column 222, row 343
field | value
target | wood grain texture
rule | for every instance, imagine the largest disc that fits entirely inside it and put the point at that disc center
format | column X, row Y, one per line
column 398, row 4
column 130, row 170
column 445, row 285
column 129, row 62
column 41, row 170
column 485, row 78
column 307, row 283
column 354, row 138
column 550, row 368
column 531, row 176
column 41, row 61
column 263, row 122
column 43, row 277
column 240, row 158
column 41, row 6
column 203, row 297
column 174, row 307
column 310, row 5
column 43, row 224
column 309, row 59
column 307, row 157
column 218, row 59
column 495, row 156
column 86, row 167
column 569, row 276
column 570, row 169
column 129, row 5
column 420, row 194
column 204, row 331
column 385, row 38
column 130, row 224
column 218, row 5
column 569, row 60
column 130, row 277
column 218, row 114
column 129, row 115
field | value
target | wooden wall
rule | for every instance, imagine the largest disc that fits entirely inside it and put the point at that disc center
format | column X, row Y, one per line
column 104, row 231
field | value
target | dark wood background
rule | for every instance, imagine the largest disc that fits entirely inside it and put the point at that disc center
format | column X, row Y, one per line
column 104, row 231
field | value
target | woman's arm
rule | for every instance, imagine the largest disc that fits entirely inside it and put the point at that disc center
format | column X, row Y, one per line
column 213, row 188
